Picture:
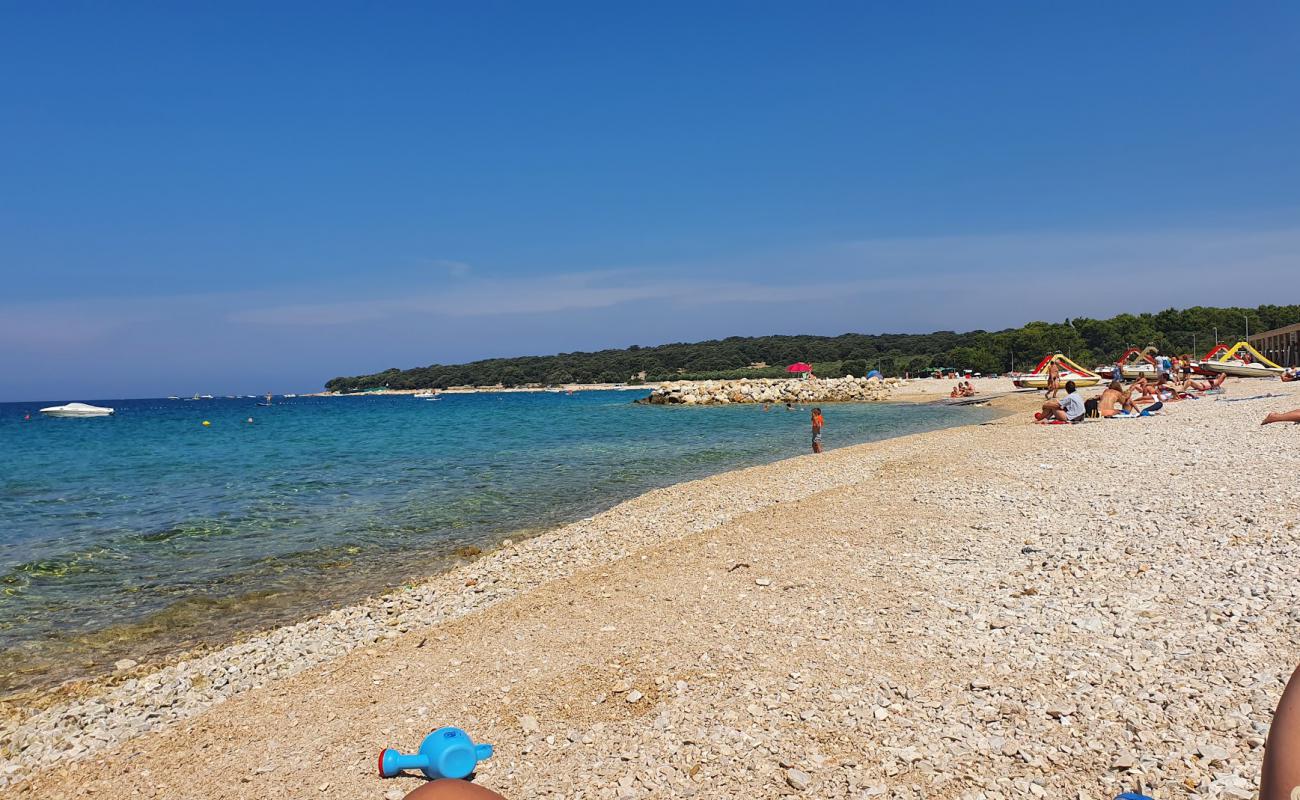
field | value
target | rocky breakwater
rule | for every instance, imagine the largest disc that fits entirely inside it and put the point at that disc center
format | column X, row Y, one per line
column 746, row 390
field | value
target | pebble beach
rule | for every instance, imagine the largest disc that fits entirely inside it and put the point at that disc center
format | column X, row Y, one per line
column 998, row 610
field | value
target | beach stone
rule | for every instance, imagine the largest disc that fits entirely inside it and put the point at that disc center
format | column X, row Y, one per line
column 798, row 779
column 123, row 664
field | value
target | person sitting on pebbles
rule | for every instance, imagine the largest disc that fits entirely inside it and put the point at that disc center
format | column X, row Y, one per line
column 1115, row 401
column 1069, row 409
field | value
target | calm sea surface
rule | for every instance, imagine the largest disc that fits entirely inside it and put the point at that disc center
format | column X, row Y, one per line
column 137, row 534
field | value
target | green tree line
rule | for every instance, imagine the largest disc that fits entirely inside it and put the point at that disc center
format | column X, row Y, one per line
column 1087, row 341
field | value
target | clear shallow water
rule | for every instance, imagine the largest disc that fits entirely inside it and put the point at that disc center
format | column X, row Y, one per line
column 137, row 534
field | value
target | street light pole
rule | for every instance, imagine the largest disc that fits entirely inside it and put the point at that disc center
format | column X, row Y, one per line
column 1247, row 318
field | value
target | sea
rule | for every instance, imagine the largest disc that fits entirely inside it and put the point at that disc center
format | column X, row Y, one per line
column 148, row 532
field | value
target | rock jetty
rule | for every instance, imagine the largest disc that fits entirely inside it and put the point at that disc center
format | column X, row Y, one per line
column 758, row 390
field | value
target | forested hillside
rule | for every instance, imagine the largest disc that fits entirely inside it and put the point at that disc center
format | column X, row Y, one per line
column 1088, row 341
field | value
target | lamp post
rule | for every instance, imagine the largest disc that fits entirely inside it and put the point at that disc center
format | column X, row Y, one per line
column 1247, row 318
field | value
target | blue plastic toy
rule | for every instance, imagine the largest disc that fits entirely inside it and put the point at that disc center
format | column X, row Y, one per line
column 445, row 753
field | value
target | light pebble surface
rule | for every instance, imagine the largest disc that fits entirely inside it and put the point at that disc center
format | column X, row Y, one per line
column 1002, row 610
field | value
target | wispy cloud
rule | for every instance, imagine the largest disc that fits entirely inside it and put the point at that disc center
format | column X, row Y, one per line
column 456, row 313
column 1041, row 270
column 551, row 295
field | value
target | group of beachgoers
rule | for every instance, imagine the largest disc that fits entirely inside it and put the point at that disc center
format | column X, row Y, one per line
column 1142, row 398
column 962, row 389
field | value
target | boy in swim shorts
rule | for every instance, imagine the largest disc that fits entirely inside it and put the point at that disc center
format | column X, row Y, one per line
column 817, row 423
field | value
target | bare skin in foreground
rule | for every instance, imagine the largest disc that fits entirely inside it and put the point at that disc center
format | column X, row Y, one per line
column 1280, row 778
column 452, row 790
column 1290, row 416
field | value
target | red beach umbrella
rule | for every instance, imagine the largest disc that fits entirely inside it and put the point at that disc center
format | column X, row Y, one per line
column 799, row 367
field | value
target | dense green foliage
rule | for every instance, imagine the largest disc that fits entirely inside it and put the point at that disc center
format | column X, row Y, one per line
column 1088, row 341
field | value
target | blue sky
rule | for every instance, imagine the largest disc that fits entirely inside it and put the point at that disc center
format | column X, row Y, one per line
column 236, row 197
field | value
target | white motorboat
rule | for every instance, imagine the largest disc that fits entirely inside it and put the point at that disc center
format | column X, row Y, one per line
column 425, row 395
column 77, row 410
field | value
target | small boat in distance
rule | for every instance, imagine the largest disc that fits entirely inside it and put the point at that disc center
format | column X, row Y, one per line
column 268, row 400
column 77, row 410
column 426, row 395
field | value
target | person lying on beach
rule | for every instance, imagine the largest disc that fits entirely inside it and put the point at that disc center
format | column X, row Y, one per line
column 1290, row 416
column 1069, row 409
column 1166, row 390
column 1291, row 375
column 1214, row 383
column 1141, row 388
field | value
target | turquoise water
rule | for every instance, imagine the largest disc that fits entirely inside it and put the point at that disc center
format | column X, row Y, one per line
column 137, row 534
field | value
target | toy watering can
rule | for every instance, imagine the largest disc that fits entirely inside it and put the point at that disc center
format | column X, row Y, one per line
column 445, row 753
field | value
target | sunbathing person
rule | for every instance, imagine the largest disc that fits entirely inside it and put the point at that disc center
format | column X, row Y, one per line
column 956, row 391
column 1215, row 383
column 1290, row 416
column 1115, row 400
column 1142, row 389
column 1291, row 375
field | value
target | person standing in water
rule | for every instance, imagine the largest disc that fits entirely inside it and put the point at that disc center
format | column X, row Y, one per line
column 817, row 423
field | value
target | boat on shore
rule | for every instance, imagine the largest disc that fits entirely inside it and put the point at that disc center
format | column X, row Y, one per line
column 1240, row 369
column 1130, row 366
column 1240, row 361
column 1070, row 371
column 77, row 410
